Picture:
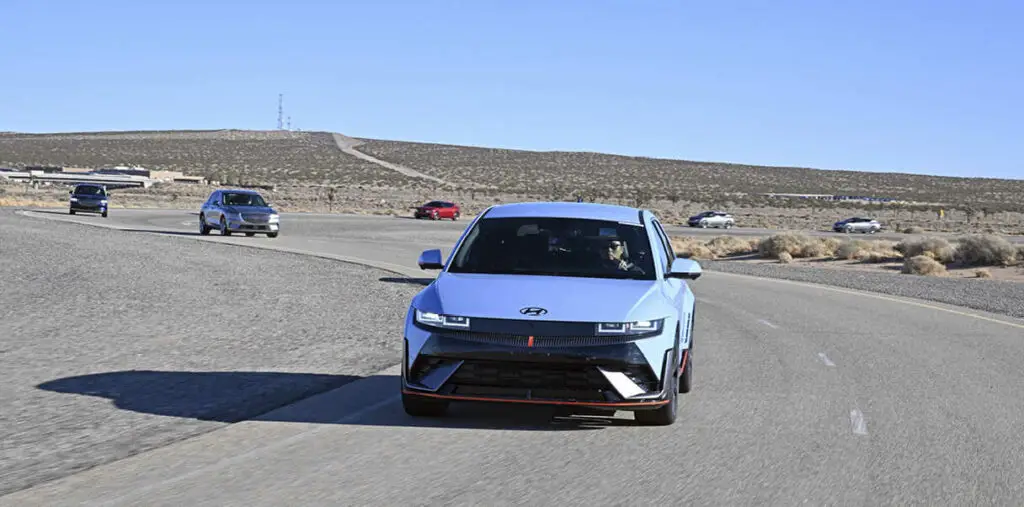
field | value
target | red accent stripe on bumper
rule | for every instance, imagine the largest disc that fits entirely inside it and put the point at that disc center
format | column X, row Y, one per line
column 540, row 402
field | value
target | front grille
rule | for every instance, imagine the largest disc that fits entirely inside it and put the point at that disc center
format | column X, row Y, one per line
column 528, row 376
column 256, row 217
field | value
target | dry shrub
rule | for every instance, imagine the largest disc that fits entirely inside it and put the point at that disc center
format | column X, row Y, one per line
column 1020, row 253
column 936, row 248
column 717, row 247
column 983, row 273
column 867, row 251
column 923, row 265
column 977, row 250
column 850, row 250
column 725, row 246
column 793, row 244
column 785, row 258
column 692, row 248
column 821, row 248
column 913, row 230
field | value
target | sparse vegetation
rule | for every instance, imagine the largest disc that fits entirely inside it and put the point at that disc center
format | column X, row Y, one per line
column 923, row 265
column 907, row 255
column 530, row 171
column 306, row 162
column 985, row 251
column 715, row 248
column 797, row 246
column 936, row 248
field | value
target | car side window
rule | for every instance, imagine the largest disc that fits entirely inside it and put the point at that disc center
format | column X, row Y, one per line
column 666, row 245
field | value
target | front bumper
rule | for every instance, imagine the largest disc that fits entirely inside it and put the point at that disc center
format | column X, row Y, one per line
column 599, row 372
column 88, row 206
column 244, row 226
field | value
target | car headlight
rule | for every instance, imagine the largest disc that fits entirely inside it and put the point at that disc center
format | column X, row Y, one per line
column 103, row 201
column 629, row 328
column 438, row 320
column 74, row 199
column 274, row 217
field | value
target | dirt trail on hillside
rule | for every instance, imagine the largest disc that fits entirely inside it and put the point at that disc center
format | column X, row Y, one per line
column 348, row 145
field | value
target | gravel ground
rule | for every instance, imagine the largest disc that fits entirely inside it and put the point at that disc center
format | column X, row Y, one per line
column 114, row 343
column 1002, row 297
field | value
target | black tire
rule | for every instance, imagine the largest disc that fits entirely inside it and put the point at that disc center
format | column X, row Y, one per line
column 104, row 214
column 203, row 228
column 224, row 227
column 71, row 212
column 664, row 415
column 250, row 234
column 686, row 377
column 435, row 216
column 271, row 234
column 455, row 216
column 419, row 406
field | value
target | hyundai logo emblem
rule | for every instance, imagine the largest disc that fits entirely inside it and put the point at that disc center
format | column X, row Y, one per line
column 533, row 311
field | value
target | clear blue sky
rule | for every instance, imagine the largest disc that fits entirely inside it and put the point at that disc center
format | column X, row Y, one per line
column 879, row 85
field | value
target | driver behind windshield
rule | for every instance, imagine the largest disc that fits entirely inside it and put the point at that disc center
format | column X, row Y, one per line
column 613, row 255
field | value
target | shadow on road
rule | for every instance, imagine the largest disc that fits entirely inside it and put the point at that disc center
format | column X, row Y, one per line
column 269, row 396
column 63, row 213
column 406, row 280
column 170, row 233
column 229, row 396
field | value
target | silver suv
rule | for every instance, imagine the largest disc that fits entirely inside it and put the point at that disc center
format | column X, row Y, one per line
column 857, row 224
column 711, row 219
column 238, row 211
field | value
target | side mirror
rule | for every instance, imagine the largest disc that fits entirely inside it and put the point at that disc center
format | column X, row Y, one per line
column 431, row 259
column 687, row 269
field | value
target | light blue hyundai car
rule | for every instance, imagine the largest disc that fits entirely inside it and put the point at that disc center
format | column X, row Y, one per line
column 554, row 303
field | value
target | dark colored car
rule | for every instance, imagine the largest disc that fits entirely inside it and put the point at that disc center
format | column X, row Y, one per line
column 436, row 210
column 88, row 198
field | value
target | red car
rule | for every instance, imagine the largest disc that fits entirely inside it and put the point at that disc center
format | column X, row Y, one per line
column 436, row 210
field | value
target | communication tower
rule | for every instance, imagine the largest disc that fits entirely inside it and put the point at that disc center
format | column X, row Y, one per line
column 280, row 111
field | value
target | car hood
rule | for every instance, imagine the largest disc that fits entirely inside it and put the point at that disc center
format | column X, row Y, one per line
column 89, row 196
column 565, row 298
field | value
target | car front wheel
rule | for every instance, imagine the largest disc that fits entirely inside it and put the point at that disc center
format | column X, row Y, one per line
column 666, row 414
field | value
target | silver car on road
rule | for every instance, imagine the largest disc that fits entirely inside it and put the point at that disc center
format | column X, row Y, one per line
column 238, row 211
column 718, row 219
column 857, row 224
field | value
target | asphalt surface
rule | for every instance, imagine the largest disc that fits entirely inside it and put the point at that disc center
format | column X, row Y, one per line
column 802, row 394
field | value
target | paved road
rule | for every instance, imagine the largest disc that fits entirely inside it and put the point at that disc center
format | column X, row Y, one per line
column 802, row 395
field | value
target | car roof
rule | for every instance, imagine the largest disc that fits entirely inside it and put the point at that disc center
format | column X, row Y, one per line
column 585, row 210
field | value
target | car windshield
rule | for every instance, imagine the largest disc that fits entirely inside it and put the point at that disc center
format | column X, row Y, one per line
column 89, row 190
column 556, row 247
column 243, row 199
